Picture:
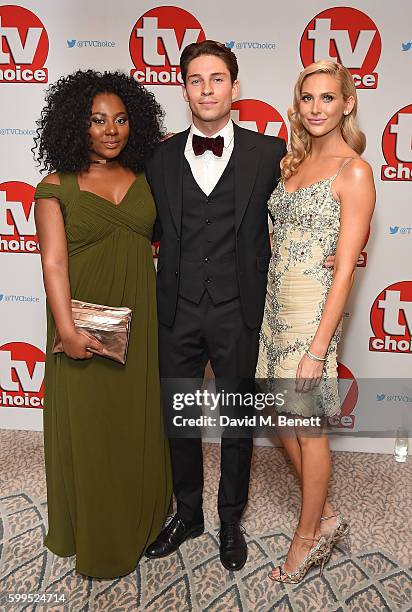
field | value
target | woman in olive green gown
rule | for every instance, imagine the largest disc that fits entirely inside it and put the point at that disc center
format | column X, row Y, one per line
column 107, row 461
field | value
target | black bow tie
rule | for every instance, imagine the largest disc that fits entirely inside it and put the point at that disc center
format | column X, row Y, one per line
column 201, row 144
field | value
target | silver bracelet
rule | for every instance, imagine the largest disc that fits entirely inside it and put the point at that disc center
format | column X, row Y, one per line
column 314, row 357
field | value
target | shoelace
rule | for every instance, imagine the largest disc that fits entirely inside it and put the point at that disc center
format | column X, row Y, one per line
column 231, row 528
column 168, row 520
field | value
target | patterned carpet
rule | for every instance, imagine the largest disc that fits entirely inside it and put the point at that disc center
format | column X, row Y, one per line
column 373, row 491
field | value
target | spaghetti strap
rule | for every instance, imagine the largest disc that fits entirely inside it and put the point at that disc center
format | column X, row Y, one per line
column 345, row 163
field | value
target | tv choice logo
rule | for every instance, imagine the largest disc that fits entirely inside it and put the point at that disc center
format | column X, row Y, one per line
column 259, row 116
column 24, row 46
column 397, row 146
column 349, row 392
column 21, row 375
column 345, row 35
column 391, row 319
column 17, row 227
column 363, row 256
column 157, row 41
column 156, row 249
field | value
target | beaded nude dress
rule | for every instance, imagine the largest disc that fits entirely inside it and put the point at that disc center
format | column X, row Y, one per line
column 306, row 228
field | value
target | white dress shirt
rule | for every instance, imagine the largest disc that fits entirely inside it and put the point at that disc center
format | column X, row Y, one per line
column 208, row 168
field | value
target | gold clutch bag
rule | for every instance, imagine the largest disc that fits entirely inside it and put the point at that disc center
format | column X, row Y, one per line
column 109, row 325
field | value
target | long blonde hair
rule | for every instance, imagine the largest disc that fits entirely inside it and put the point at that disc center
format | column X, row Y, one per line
column 300, row 139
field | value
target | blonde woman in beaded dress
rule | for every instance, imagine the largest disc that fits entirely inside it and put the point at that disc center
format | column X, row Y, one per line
column 322, row 205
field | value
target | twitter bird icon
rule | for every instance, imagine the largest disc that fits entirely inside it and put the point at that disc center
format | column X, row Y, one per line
column 230, row 44
column 380, row 396
column 394, row 229
column 406, row 46
column 71, row 43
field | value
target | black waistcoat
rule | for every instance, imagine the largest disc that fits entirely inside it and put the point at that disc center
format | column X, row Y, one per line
column 208, row 255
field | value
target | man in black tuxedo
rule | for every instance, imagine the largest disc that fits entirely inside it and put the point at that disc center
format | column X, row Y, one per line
column 211, row 184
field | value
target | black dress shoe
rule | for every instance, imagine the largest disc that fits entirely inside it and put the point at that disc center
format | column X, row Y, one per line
column 172, row 536
column 233, row 548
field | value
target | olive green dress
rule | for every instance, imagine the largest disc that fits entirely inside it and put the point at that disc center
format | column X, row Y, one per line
column 107, row 461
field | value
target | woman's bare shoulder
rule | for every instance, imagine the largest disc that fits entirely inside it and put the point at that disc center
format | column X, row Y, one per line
column 52, row 179
column 357, row 170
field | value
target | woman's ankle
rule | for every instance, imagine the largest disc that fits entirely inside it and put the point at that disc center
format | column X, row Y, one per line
column 308, row 533
column 327, row 510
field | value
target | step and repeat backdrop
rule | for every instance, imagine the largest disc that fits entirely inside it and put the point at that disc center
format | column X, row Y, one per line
column 273, row 41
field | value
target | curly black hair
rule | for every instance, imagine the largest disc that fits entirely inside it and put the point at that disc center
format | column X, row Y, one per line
column 62, row 135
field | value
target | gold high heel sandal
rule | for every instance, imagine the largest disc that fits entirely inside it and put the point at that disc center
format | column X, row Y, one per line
column 341, row 531
column 317, row 555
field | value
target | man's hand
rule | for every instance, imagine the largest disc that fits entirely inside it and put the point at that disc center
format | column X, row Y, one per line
column 329, row 262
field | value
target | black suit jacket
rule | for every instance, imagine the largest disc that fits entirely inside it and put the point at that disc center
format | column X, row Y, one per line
column 256, row 159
